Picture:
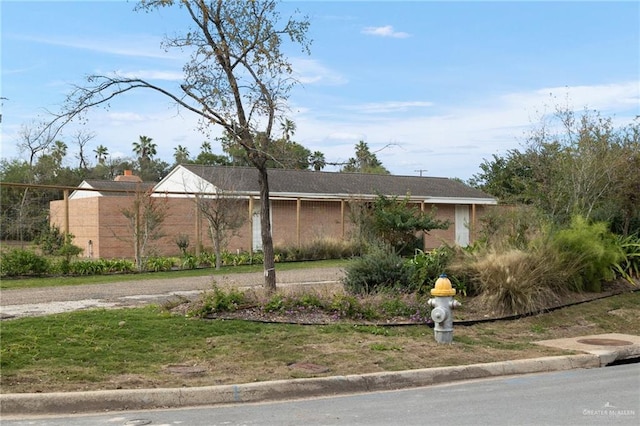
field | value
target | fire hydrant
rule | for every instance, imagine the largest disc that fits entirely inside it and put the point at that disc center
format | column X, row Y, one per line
column 443, row 304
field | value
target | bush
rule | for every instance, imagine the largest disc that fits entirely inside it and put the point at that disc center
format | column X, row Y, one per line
column 594, row 247
column 319, row 249
column 22, row 262
column 426, row 267
column 514, row 281
column 379, row 270
column 629, row 265
column 220, row 300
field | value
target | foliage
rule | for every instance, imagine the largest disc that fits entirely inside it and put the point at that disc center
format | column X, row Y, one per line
column 512, row 226
column 318, row 249
column 20, row 262
column 220, row 300
column 364, row 161
column 157, row 264
column 513, row 281
column 595, row 249
column 50, row 239
column 376, row 271
column 182, row 241
column 426, row 267
column 572, row 165
column 392, row 222
column 629, row 266
column 282, row 153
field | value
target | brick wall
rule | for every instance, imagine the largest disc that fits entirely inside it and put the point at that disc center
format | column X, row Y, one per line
column 101, row 221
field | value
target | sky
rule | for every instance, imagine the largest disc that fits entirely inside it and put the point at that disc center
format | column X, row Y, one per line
column 434, row 88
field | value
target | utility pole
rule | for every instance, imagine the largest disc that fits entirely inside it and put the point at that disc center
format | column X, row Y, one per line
column 420, row 171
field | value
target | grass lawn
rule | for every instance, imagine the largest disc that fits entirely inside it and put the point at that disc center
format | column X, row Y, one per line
column 10, row 283
column 137, row 348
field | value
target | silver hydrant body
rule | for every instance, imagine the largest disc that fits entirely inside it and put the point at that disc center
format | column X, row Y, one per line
column 443, row 304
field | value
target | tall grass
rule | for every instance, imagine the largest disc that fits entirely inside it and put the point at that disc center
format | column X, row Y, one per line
column 513, row 281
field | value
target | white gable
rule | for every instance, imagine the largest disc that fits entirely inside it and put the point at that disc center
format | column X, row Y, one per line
column 182, row 180
column 79, row 193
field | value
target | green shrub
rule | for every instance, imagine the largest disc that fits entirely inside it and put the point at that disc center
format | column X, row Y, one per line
column 157, row 264
column 50, row 239
column 318, row 249
column 120, row 266
column 426, row 267
column 348, row 306
column 87, row 267
column 594, row 247
column 220, row 300
column 628, row 267
column 19, row 262
column 379, row 270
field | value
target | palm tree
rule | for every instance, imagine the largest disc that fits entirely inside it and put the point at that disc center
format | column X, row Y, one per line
column 145, row 148
column 288, row 129
column 318, row 161
column 101, row 153
column 205, row 147
column 181, row 154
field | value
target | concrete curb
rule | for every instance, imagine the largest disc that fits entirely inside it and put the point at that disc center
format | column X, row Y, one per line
column 139, row 399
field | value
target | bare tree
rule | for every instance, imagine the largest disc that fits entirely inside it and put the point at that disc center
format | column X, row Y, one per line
column 145, row 217
column 237, row 78
column 82, row 139
column 224, row 212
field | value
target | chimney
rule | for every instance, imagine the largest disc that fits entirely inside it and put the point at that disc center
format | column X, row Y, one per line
column 128, row 176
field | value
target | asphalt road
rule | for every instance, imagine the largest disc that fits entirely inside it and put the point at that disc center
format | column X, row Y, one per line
column 598, row 396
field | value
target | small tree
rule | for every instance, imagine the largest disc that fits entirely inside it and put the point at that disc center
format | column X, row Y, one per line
column 393, row 222
column 224, row 213
column 224, row 217
column 145, row 218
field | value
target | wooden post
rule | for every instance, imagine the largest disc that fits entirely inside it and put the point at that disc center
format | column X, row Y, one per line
column 198, row 227
column 472, row 231
column 66, row 211
column 250, row 225
column 342, row 208
column 424, row 234
column 298, row 206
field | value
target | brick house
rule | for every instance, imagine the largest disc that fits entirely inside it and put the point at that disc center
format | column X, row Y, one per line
column 305, row 206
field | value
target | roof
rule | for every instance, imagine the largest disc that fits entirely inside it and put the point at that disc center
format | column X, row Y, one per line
column 109, row 188
column 317, row 184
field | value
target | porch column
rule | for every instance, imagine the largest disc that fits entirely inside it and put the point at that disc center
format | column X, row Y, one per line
column 472, row 225
column 298, row 207
column 250, row 225
column 342, row 207
column 198, row 228
column 65, row 195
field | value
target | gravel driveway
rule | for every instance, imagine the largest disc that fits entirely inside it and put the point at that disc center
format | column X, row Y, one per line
column 16, row 303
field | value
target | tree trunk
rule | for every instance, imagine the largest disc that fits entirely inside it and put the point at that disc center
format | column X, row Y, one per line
column 217, row 248
column 265, row 228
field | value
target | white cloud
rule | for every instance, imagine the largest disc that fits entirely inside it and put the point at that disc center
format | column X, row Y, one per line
column 453, row 141
column 310, row 71
column 388, row 107
column 386, row 31
column 139, row 46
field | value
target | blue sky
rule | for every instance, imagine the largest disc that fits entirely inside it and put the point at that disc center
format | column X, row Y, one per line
column 432, row 87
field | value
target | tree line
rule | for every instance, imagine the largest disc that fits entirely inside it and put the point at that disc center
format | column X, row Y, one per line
column 572, row 164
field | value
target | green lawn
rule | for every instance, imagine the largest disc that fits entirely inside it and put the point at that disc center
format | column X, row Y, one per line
column 10, row 283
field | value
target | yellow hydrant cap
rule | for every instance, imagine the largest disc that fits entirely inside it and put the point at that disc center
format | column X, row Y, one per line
column 443, row 287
